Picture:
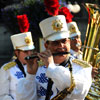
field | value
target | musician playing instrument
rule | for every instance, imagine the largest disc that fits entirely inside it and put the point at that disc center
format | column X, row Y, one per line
column 60, row 71
column 75, row 39
column 14, row 70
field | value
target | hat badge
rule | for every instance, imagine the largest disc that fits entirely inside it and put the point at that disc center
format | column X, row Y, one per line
column 72, row 29
column 27, row 40
column 57, row 25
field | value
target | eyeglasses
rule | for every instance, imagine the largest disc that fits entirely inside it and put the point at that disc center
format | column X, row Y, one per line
column 72, row 38
column 55, row 43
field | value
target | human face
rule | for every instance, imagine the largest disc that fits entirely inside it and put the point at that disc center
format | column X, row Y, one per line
column 62, row 45
column 76, row 43
column 22, row 54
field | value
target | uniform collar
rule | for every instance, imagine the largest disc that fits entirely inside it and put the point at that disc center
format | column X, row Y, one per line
column 73, row 52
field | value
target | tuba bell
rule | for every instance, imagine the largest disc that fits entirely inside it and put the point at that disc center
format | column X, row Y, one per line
column 90, row 55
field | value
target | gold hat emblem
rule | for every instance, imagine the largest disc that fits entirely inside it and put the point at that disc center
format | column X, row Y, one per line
column 57, row 25
column 27, row 40
column 72, row 29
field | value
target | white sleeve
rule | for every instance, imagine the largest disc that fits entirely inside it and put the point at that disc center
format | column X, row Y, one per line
column 4, row 85
column 27, row 88
column 60, row 76
column 83, row 84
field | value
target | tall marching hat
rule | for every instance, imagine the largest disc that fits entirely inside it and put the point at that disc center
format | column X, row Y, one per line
column 71, row 25
column 23, row 41
column 54, row 27
column 73, row 29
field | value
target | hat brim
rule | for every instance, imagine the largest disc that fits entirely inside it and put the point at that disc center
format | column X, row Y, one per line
column 58, row 36
column 27, row 48
column 75, row 34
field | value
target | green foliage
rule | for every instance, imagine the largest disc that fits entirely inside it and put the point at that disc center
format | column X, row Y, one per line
column 35, row 11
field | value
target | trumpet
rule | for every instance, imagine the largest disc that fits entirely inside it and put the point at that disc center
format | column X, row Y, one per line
column 54, row 54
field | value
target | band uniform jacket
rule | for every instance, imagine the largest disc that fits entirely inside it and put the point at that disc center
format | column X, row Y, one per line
column 77, row 55
column 34, row 87
column 10, row 74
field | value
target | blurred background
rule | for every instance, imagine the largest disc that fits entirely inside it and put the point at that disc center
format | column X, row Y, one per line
column 36, row 12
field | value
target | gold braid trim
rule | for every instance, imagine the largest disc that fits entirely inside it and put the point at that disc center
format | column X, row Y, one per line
column 82, row 63
column 9, row 65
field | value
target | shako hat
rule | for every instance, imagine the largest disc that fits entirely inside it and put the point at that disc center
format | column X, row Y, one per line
column 73, row 29
column 54, row 28
column 23, row 41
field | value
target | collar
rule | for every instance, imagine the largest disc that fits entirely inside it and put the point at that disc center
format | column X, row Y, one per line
column 73, row 52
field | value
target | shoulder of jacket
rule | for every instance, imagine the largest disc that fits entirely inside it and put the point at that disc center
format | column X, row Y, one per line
column 9, row 65
column 82, row 63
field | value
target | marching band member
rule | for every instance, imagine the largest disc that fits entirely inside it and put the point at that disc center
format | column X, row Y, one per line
column 15, row 70
column 75, row 39
column 46, row 79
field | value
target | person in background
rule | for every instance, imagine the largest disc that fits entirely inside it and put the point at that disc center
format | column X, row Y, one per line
column 75, row 39
column 57, row 72
column 15, row 70
column 76, row 43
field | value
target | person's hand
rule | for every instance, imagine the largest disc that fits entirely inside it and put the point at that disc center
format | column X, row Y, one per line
column 32, row 66
column 94, row 72
column 46, row 57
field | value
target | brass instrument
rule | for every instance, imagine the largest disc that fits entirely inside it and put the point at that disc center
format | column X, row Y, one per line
column 62, row 94
column 92, row 34
column 94, row 92
column 92, row 56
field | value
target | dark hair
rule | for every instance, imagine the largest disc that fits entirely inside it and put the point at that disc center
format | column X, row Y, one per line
column 47, row 42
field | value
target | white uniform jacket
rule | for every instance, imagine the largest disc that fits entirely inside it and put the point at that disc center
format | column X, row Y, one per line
column 77, row 55
column 34, row 87
column 10, row 74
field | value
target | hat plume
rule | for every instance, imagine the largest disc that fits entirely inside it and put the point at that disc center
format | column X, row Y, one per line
column 23, row 23
column 52, row 6
column 65, row 11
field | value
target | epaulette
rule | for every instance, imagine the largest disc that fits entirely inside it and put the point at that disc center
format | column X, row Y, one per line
column 82, row 63
column 9, row 65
